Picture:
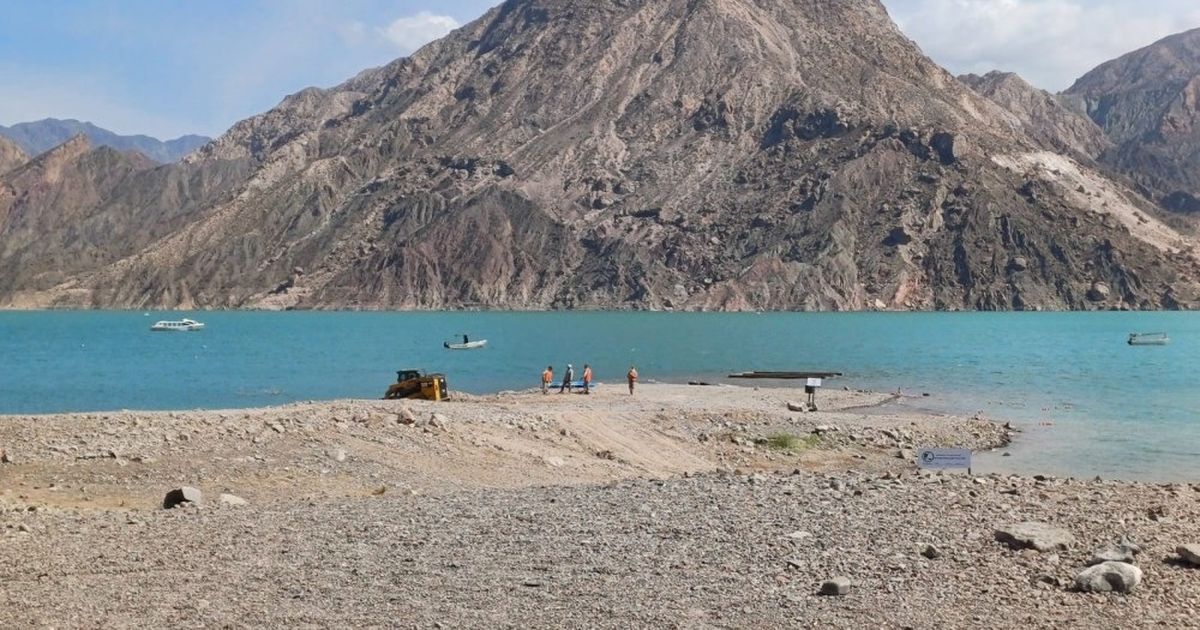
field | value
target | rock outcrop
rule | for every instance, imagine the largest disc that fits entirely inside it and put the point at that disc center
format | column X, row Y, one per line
column 726, row 154
column 11, row 156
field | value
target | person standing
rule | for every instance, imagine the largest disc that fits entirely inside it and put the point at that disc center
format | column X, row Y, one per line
column 632, row 377
column 587, row 378
column 568, row 378
column 547, row 378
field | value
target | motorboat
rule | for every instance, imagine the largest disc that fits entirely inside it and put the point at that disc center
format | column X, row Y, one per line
column 183, row 325
column 1148, row 339
column 466, row 345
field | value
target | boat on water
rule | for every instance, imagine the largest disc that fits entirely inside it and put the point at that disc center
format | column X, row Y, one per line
column 183, row 325
column 466, row 344
column 1148, row 339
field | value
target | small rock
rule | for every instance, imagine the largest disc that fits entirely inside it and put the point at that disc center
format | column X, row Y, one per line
column 405, row 416
column 931, row 552
column 1158, row 513
column 556, row 462
column 23, row 528
column 4, row 459
column 836, row 586
column 338, row 455
column 179, row 496
column 1189, row 553
column 795, row 406
column 1112, row 554
column 437, row 420
column 1114, row 577
column 1032, row 535
column 905, row 454
column 232, row 500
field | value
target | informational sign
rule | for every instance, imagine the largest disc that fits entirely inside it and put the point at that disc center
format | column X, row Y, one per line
column 813, row 382
column 944, row 458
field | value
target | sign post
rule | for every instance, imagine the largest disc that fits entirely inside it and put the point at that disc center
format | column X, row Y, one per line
column 810, row 388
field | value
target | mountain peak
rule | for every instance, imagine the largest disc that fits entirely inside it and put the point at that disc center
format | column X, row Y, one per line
column 1146, row 101
column 1042, row 115
column 42, row 135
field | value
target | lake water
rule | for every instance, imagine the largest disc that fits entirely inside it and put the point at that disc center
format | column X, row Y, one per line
column 1089, row 403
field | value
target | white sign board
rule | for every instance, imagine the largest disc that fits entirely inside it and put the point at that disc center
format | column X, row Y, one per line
column 944, row 458
column 813, row 382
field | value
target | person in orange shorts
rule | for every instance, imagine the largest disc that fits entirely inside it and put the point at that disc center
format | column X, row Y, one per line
column 547, row 378
column 587, row 378
column 632, row 377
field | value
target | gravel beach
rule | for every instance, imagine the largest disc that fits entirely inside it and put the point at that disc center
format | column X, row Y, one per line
column 689, row 507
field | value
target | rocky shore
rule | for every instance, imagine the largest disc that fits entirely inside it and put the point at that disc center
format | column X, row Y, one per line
column 680, row 507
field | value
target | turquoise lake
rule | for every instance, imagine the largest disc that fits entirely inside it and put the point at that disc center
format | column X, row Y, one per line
column 1087, row 402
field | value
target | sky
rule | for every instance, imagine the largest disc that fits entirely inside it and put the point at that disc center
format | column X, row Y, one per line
column 167, row 68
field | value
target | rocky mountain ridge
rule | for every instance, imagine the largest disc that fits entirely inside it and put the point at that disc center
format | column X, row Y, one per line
column 1148, row 103
column 40, row 136
column 666, row 154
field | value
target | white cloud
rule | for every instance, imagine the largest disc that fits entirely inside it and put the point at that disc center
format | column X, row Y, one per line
column 1049, row 42
column 411, row 32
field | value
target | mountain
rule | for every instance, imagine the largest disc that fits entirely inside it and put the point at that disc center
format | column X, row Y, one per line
column 1042, row 115
column 1148, row 103
column 77, row 207
column 11, row 156
column 695, row 154
column 43, row 135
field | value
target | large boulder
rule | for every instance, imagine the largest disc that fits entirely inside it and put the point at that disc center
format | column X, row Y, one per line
column 1033, row 535
column 180, row 496
column 1099, row 292
column 1109, row 577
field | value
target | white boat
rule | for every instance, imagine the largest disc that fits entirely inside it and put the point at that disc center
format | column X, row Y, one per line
column 466, row 344
column 1148, row 339
column 183, row 325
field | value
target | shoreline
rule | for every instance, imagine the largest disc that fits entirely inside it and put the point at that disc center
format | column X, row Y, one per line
column 993, row 457
column 680, row 506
